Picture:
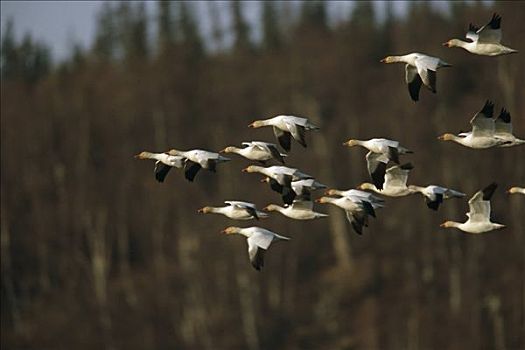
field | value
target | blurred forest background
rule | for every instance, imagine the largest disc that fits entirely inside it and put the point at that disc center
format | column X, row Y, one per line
column 97, row 254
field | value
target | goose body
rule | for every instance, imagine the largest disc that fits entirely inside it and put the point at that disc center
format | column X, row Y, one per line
column 419, row 69
column 395, row 184
column 434, row 195
column 299, row 210
column 163, row 163
column 483, row 134
column 236, row 210
column 485, row 41
column 479, row 213
column 357, row 210
column 285, row 127
column 258, row 239
column 197, row 159
column 381, row 151
column 258, row 151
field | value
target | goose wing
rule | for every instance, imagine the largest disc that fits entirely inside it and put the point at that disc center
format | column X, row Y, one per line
column 256, row 255
column 479, row 204
column 397, row 175
column 284, row 138
column 426, row 68
column 491, row 32
column 270, row 148
column 248, row 207
column 302, row 205
column 472, row 33
column 297, row 131
column 376, row 164
column 357, row 219
column 482, row 123
column 191, row 169
column 413, row 80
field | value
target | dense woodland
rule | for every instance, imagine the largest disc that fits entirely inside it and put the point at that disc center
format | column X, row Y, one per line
column 97, row 254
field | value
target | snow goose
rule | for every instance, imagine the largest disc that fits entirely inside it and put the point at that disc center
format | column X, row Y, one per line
column 353, row 193
column 395, row 182
column 519, row 190
column 381, row 152
column 285, row 127
column 419, row 68
column 299, row 210
column 479, row 213
column 434, row 195
column 485, row 41
column 280, row 179
column 483, row 131
column 259, row 240
column 236, row 210
column 197, row 159
column 164, row 162
column 357, row 211
column 258, row 151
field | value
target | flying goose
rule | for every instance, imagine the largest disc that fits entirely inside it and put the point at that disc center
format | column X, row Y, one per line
column 381, row 151
column 483, row 134
column 479, row 213
column 419, row 68
column 353, row 193
column 258, row 151
column 357, row 211
column 236, row 210
column 434, row 195
column 164, row 162
column 485, row 41
column 280, row 179
column 197, row 159
column 518, row 190
column 395, row 182
column 285, row 127
column 259, row 240
column 299, row 210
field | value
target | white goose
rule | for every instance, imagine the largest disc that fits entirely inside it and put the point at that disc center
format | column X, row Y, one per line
column 479, row 213
column 395, row 182
column 357, row 210
column 516, row 190
column 381, row 152
column 285, row 127
column 280, row 179
column 485, row 41
column 299, row 210
column 258, row 239
column 419, row 68
column 164, row 162
column 258, row 151
column 434, row 195
column 483, row 131
column 353, row 193
column 236, row 210
column 197, row 159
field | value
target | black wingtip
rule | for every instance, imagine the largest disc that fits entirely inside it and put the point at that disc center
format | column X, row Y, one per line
column 393, row 154
column 489, row 191
column 472, row 28
column 504, row 115
column 488, row 109
column 369, row 209
column 495, row 21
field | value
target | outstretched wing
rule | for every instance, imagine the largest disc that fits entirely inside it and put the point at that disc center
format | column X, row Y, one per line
column 426, row 68
column 397, row 175
column 284, row 138
column 376, row 164
column 297, row 132
column 491, row 32
column 479, row 204
column 472, row 32
column 256, row 255
column 503, row 124
column 191, row 169
column 414, row 82
column 482, row 123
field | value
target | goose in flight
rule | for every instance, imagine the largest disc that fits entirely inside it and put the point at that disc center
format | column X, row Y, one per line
column 479, row 213
column 236, row 210
column 381, row 151
column 395, row 182
column 485, row 41
column 285, row 127
column 483, row 134
column 259, row 240
column 434, row 195
column 516, row 190
column 197, row 159
column 280, row 179
column 299, row 210
column 353, row 193
column 163, row 163
column 257, row 151
column 419, row 69
column 357, row 210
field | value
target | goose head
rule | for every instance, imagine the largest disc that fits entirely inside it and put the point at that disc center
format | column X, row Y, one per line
column 271, row 207
column 388, row 59
column 231, row 230
column 351, row 143
column 229, row 149
column 366, row 186
column 250, row 169
column 204, row 210
column 453, row 43
column 323, row 200
column 446, row 137
column 331, row 192
column 256, row 124
column 142, row 155
column 449, row 224
column 513, row 190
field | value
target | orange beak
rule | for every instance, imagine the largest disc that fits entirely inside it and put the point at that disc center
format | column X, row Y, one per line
column 251, row 125
column 245, row 170
column 201, row 210
column 446, row 44
column 264, row 180
column 383, row 60
column 318, row 200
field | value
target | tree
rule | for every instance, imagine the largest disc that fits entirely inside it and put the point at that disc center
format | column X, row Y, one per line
column 271, row 28
column 241, row 30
